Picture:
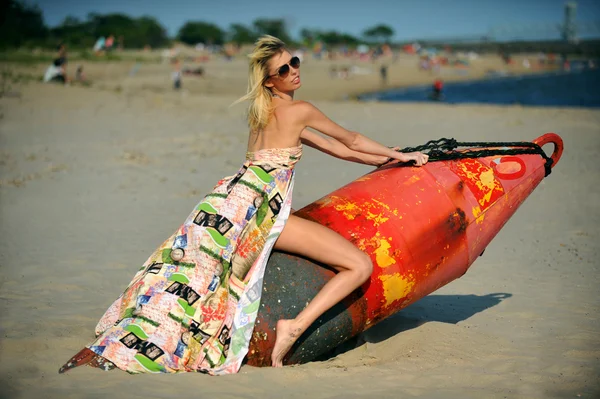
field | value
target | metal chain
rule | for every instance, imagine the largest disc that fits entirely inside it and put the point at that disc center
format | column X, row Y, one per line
column 445, row 149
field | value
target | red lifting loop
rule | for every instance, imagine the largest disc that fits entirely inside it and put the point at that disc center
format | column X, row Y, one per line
column 558, row 145
column 513, row 175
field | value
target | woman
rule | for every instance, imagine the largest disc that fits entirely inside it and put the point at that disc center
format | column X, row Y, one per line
column 57, row 71
column 193, row 304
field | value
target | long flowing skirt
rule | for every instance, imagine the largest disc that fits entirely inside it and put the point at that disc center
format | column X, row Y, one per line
column 193, row 304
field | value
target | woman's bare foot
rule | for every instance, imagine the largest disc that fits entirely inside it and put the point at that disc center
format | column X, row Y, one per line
column 287, row 333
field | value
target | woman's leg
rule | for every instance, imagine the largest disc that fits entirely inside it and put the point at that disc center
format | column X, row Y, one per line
column 321, row 244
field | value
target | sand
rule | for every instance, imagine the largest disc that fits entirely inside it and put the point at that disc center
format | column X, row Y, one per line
column 93, row 179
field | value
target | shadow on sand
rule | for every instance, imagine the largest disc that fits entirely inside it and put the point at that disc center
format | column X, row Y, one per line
column 442, row 308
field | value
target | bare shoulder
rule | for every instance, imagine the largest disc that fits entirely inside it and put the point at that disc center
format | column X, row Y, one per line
column 303, row 110
column 303, row 107
column 296, row 110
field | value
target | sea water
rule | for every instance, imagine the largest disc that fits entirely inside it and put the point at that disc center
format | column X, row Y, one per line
column 579, row 87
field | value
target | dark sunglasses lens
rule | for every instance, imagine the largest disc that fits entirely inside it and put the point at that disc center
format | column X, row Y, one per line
column 284, row 70
column 295, row 62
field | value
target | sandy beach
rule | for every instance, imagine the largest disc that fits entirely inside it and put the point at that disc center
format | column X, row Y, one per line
column 93, row 179
column 143, row 72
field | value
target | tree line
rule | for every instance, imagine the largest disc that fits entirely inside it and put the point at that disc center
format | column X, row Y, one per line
column 22, row 25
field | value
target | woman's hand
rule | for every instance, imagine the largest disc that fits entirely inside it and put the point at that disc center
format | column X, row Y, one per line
column 417, row 157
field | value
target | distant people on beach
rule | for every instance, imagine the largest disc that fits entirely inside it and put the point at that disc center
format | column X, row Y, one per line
column 506, row 57
column 177, row 75
column 198, row 71
column 437, row 90
column 57, row 71
column 339, row 73
column 104, row 45
column 99, row 46
column 109, row 43
column 383, row 73
column 542, row 59
column 80, row 76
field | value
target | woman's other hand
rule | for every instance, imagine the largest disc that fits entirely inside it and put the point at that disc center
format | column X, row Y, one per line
column 417, row 157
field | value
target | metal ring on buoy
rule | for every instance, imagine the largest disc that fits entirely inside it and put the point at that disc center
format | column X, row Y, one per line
column 558, row 145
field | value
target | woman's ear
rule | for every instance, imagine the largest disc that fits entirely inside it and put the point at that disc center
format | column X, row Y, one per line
column 268, row 83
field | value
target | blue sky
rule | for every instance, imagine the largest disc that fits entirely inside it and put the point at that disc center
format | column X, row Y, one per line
column 410, row 19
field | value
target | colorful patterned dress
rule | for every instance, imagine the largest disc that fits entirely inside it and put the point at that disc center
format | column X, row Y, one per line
column 193, row 304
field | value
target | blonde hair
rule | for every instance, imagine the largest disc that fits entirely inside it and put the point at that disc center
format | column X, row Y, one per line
column 260, row 96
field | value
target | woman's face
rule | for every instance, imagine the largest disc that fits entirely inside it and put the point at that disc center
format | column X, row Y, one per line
column 284, row 72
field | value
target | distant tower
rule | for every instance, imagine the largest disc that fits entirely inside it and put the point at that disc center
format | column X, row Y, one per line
column 569, row 28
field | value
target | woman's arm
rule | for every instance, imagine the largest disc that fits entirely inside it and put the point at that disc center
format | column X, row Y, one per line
column 312, row 117
column 335, row 148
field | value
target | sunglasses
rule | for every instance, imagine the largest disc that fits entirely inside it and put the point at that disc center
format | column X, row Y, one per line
column 284, row 70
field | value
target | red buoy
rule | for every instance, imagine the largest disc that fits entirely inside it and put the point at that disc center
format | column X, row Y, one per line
column 423, row 227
